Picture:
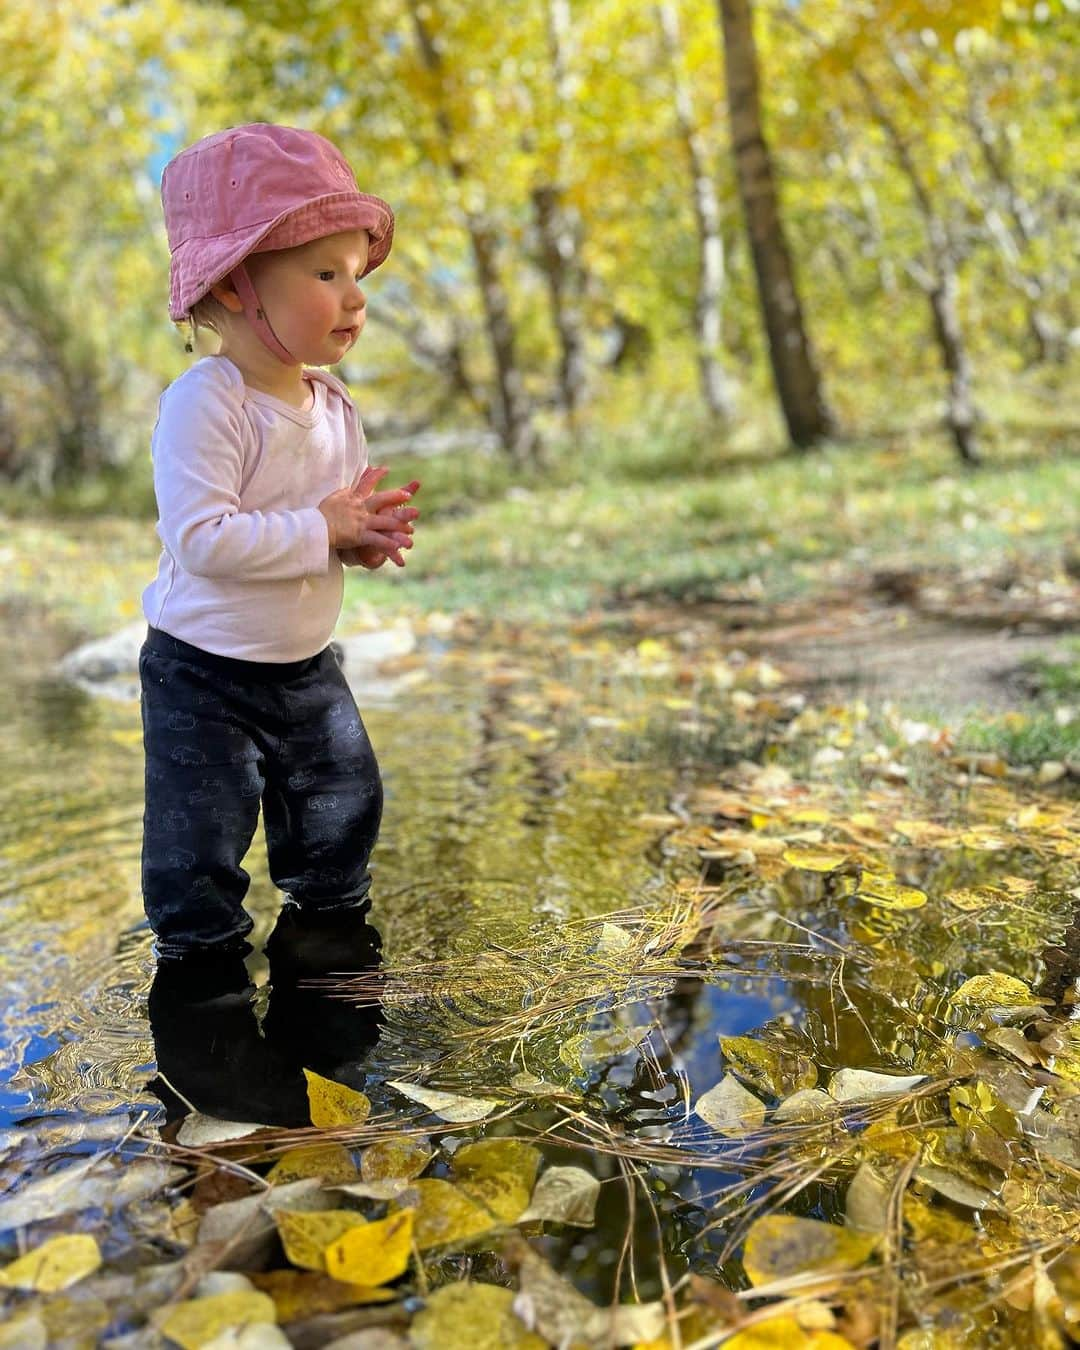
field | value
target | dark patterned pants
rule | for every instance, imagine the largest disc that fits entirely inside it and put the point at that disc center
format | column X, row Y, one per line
column 223, row 735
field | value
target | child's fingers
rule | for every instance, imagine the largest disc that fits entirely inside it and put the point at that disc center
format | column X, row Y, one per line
column 371, row 475
column 390, row 497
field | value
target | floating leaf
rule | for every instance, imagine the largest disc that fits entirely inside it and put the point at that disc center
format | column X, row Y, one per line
column 730, row 1109
column 581, row 1052
column 89, row 1184
column 529, row 1083
column 779, row 1246
column 564, row 1195
column 375, row 1253
column 247, row 1225
column 809, row 1104
column 198, row 1130
column 500, row 1173
column 775, row 1069
column 613, row 939
column 814, row 859
column 446, row 1214
column 877, row 889
column 447, row 1105
column 306, row 1234
column 850, row 1085
column 400, row 1189
column 332, row 1104
column 866, row 1207
column 976, row 897
column 198, row 1321
column 306, row 1293
column 956, row 1188
column 784, row 1333
column 471, row 1317
column 549, row 1303
column 399, row 1157
column 56, row 1264
column 995, row 990
column 328, row 1162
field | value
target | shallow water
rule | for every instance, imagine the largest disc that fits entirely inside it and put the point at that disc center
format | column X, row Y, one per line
column 526, row 791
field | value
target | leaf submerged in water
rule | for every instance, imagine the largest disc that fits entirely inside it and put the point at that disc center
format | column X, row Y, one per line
column 564, row 1195
column 57, row 1264
column 780, row 1246
column 447, row 1105
column 730, row 1109
column 850, row 1085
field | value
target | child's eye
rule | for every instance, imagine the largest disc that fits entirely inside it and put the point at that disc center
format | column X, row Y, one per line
column 326, row 276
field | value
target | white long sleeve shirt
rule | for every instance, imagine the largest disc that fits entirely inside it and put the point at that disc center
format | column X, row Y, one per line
column 246, row 568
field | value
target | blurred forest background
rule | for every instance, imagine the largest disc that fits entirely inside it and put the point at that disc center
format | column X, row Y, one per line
column 725, row 224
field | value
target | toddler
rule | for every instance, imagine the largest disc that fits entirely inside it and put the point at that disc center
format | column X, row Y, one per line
column 263, row 491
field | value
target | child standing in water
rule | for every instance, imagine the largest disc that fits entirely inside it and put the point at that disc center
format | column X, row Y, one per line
column 264, row 491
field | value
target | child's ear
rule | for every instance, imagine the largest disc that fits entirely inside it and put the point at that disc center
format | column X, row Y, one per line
column 225, row 293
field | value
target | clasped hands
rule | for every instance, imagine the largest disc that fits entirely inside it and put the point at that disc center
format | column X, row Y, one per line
column 367, row 527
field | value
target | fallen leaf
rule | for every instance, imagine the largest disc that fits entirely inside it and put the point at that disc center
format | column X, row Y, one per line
column 198, row 1321
column 730, row 1109
column 446, row 1105
column 198, row 1130
column 779, row 1246
column 54, row 1265
column 306, row 1234
column 89, row 1184
column 306, row 1293
column 814, row 860
column 374, row 1254
column 564, row 1195
column 588, row 1048
column 401, row 1157
column 467, row 1316
column 866, row 1206
column 446, row 1214
column 776, row 1069
column 971, row 898
column 247, row 1225
column 887, row 892
column 784, row 1333
column 995, row 990
column 328, row 1162
column 956, row 1188
column 849, row 1085
column 332, row 1104
column 499, row 1173
column 809, row 1104
column 549, row 1304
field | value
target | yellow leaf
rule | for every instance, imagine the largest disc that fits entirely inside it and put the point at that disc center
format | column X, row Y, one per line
column 500, row 1173
column 56, row 1264
column 784, row 1333
column 306, row 1234
column 876, row 889
column 374, row 1254
column 447, row 1214
column 332, row 1104
column 465, row 1316
column 198, row 1321
column 306, row 1293
column 995, row 990
column 448, row 1105
column 730, row 1109
column 813, row 859
column 330, row 1162
column 976, row 897
column 399, row 1158
column 779, row 1246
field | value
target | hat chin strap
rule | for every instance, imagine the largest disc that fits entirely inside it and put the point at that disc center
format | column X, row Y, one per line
column 255, row 316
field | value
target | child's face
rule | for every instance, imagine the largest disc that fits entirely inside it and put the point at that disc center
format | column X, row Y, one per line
column 311, row 294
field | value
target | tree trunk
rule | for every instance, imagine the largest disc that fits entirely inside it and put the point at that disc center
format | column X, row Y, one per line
column 1049, row 344
column 798, row 383
column 939, row 283
column 510, row 411
column 559, row 225
column 716, row 388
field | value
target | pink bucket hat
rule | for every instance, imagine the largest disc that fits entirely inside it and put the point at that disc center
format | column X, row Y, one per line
column 254, row 188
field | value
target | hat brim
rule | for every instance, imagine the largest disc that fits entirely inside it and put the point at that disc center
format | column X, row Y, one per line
column 190, row 281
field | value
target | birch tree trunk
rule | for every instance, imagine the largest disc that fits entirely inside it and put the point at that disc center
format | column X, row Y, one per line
column 798, row 383
column 716, row 388
column 938, row 281
column 559, row 225
column 511, row 417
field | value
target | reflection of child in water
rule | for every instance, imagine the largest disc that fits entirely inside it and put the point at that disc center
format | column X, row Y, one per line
column 210, row 1053
column 264, row 492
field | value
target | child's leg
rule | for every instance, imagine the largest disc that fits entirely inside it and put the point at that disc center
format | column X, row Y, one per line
column 203, row 783
column 323, row 798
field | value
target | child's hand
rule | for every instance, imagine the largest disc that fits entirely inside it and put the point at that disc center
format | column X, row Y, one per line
column 388, row 544
column 360, row 518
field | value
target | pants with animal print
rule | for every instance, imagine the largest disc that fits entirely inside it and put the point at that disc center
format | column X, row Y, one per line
column 223, row 736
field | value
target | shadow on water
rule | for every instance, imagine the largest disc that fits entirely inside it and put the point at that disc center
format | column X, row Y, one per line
column 523, row 801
